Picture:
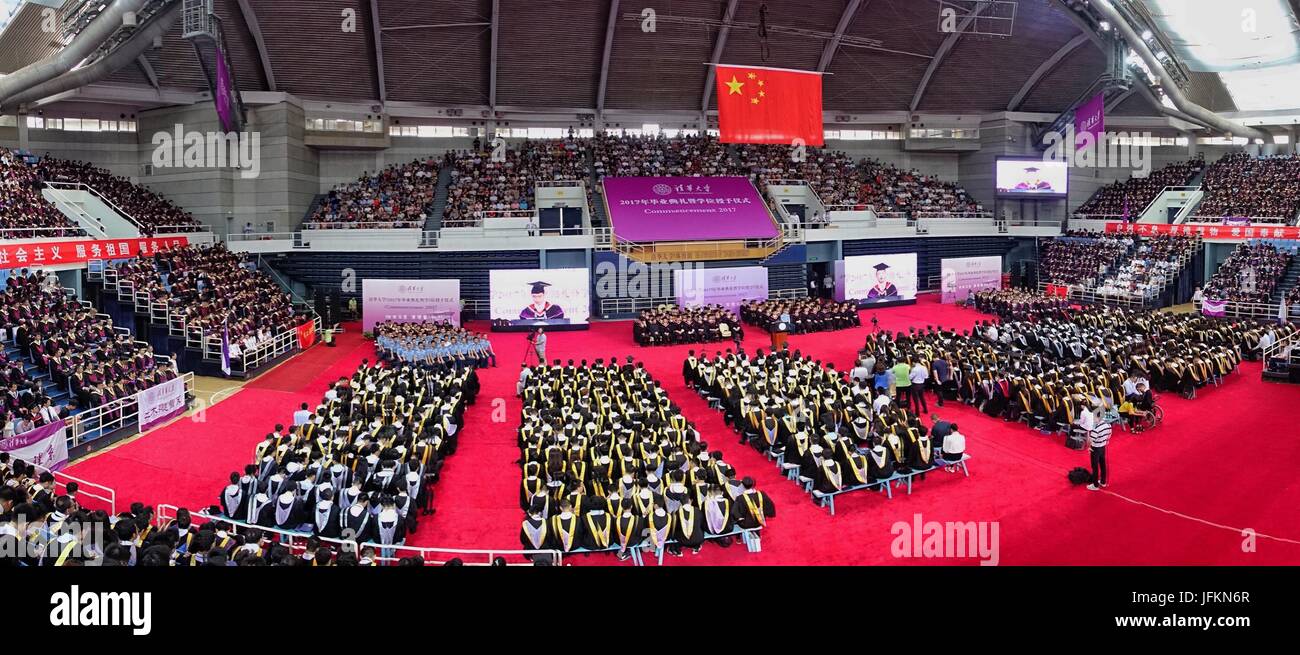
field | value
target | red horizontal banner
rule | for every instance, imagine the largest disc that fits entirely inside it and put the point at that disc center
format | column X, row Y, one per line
column 1208, row 231
column 37, row 254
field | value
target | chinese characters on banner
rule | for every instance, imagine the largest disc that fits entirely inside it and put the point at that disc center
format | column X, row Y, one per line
column 1208, row 231
column 38, row 254
column 46, row 446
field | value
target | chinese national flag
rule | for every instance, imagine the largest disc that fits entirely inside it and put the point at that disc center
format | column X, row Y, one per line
column 769, row 105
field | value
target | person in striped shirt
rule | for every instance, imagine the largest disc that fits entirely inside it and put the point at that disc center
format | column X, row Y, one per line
column 1098, row 437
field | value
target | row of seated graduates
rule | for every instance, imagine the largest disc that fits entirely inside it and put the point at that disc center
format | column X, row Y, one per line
column 610, row 463
column 669, row 325
column 375, row 444
column 76, row 345
column 790, row 405
column 1018, row 304
column 1045, row 371
column 805, row 314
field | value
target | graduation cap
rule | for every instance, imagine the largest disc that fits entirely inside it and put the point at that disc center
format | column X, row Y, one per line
column 539, row 287
column 1031, row 169
column 881, row 266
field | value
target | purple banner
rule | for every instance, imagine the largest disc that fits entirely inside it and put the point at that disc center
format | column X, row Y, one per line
column 728, row 287
column 644, row 209
column 962, row 276
column 409, row 301
column 223, row 96
column 161, row 403
column 46, row 446
column 1211, row 307
column 1090, row 118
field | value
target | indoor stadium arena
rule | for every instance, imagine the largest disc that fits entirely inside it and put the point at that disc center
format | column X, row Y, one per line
column 602, row 283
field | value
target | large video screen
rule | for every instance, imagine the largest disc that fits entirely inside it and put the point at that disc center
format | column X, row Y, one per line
column 553, row 296
column 1032, row 177
column 873, row 279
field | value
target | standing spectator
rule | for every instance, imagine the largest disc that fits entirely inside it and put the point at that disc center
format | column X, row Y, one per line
column 1098, row 438
column 918, row 376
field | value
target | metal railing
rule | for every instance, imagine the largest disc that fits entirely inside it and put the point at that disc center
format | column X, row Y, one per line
column 1251, row 221
column 363, row 225
column 251, row 358
column 85, row 488
column 1092, row 296
column 83, row 217
column 1253, row 310
column 39, row 232
column 110, row 417
column 952, row 215
column 1278, row 345
column 296, row 542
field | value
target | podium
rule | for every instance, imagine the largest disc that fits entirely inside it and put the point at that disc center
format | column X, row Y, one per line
column 780, row 335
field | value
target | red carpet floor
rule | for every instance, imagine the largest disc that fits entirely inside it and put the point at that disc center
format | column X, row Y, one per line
column 1181, row 494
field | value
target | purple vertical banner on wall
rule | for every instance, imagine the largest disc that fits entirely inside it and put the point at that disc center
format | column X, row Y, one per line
column 1090, row 117
column 223, row 94
column 728, row 287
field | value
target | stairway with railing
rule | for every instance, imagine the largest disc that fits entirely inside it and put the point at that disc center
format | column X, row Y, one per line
column 1290, row 279
column 311, row 209
column 440, row 196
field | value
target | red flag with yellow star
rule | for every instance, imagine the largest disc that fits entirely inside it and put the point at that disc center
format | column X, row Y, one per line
column 769, row 105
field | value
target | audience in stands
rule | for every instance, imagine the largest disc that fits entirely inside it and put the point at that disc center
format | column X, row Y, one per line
column 1082, row 257
column 800, row 315
column 1249, row 274
column 1263, row 189
column 611, row 464
column 154, row 213
column 433, row 345
column 481, row 183
column 1157, row 261
column 650, row 156
column 400, row 196
column 208, row 289
column 24, row 212
column 1128, row 198
column 890, row 189
column 674, row 325
column 75, row 345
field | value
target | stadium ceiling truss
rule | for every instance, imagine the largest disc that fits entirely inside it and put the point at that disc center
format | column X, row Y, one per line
column 896, row 37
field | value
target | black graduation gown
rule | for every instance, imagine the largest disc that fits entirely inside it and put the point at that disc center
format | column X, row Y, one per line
column 881, row 462
column 359, row 527
column 688, row 527
column 539, row 529
column 566, row 533
column 598, row 530
column 325, row 519
column 752, row 509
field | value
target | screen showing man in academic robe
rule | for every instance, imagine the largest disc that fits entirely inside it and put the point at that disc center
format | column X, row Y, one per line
column 557, row 296
column 1032, row 177
column 877, row 278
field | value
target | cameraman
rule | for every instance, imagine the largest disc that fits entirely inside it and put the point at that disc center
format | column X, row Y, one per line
column 538, row 337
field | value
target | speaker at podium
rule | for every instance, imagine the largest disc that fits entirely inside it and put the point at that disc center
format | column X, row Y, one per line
column 781, row 333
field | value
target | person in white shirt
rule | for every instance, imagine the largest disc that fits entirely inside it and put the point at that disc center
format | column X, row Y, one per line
column 860, row 372
column 301, row 416
column 523, row 379
column 954, row 447
column 882, row 401
column 916, row 396
column 1098, row 438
